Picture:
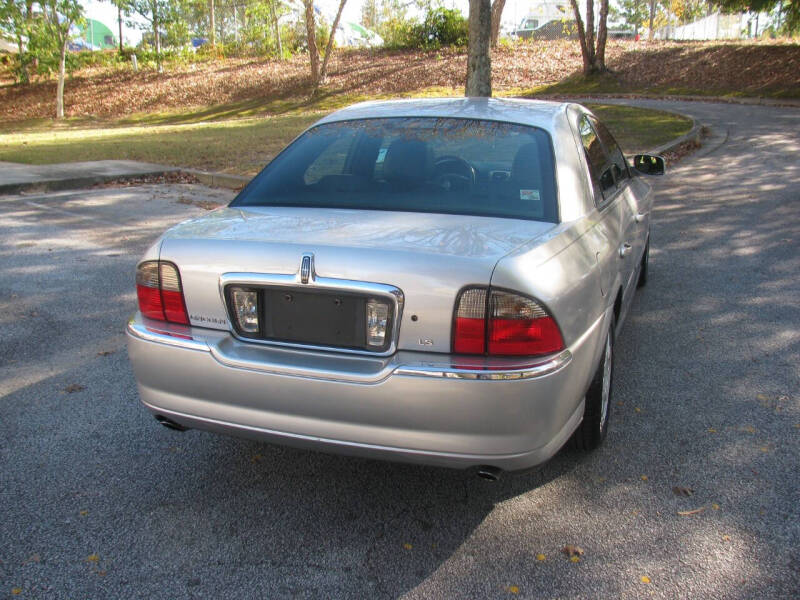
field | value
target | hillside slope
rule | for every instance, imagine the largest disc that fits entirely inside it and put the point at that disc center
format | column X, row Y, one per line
column 262, row 86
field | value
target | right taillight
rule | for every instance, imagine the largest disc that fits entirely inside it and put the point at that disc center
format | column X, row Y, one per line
column 503, row 323
column 158, row 287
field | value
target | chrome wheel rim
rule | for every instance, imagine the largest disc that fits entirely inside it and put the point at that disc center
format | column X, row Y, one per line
column 606, row 391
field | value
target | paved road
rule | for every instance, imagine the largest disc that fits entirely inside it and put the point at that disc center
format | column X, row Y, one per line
column 97, row 501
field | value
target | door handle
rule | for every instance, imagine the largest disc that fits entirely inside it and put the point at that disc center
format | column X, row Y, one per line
column 640, row 217
column 624, row 250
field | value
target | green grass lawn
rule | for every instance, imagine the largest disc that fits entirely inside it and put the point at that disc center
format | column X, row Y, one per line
column 243, row 144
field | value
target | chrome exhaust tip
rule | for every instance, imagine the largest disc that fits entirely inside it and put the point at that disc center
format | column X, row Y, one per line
column 489, row 473
column 170, row 424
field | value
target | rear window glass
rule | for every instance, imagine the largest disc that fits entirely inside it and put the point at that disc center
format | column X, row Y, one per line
column 443, row 165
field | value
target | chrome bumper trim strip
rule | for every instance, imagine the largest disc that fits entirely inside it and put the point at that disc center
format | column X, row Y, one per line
column 433, row 370
column 528, row 372
column 138, row 330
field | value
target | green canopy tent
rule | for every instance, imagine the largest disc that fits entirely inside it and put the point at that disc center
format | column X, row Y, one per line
column 97, row 35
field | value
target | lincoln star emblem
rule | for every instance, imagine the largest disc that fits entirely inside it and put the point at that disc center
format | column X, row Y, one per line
column 305, row 268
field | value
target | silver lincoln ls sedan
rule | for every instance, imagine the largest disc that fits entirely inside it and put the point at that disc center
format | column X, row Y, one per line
column 435, row 281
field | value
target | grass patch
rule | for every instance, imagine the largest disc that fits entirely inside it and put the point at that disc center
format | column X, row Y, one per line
column 245, row 145
column 639, row 129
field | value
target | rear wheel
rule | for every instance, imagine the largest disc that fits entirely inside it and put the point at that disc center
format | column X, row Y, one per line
column 597, row 408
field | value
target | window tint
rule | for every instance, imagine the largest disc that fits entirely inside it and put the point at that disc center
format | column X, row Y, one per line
column 600, row 166
column 620, row 164
column 445, row 165
column 331, row 161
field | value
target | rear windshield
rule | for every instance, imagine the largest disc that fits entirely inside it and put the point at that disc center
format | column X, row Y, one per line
column 441, row 165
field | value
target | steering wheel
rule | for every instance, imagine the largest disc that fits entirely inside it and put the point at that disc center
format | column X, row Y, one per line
column 454, row 174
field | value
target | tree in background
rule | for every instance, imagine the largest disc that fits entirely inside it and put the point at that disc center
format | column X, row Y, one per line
column 497, row 15
column 329, row 47
column 16, row 21
column 787, row 12
column 593, row 50
column 59, row 16
column 631, row 13
column 311, row 40
column 156, row 14
column 479, row 64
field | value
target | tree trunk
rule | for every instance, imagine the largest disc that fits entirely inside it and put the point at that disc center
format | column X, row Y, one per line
column 24, row 77
column 652, row 17
column 276, row 25
column 479, row 64
column 329, row 48
column 581, row 36
column 62, row 67
column 213, row 28
column 311, row 36
column 590, row 40
column 119, row 21
column 157, row 36
column 602, row 34
column 497, row 14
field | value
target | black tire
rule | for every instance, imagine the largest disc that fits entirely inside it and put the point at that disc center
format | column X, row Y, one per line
column 645, row 263
column 597, row 408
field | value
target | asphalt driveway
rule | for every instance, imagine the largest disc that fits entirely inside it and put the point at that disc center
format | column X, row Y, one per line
column 98, row 501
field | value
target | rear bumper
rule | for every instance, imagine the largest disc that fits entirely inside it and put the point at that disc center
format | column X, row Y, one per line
column 415, row 407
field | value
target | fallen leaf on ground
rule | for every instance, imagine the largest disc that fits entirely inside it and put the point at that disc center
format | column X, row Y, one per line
column 679, row 490
column 93, row 558
column 644, row 579
column 686, row 513
column 540, row 557
column 637, row 409
column 513, row 589
column 726, row 538
column 16, row 591
column 83, row 513
column 407, row 546
column 74, row 387
column 644, row 477
column 712, row 430
column 715, row 506
column 572, row 551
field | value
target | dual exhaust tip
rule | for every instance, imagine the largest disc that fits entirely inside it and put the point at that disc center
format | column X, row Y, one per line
column 486, row 472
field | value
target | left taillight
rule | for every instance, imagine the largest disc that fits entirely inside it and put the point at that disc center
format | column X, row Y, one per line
column 158, row 287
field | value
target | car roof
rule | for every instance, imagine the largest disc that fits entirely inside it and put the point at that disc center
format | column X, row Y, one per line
column 537, row 113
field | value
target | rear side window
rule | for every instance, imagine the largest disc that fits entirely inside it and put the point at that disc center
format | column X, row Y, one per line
column 620, row 165
column 443, row 165
column 600, row 166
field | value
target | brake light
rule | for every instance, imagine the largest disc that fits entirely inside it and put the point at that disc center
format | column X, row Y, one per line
column 158, row 287
column 509, row 324
column 469, row 336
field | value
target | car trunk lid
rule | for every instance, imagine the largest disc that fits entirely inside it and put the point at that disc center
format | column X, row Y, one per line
column 429, row 257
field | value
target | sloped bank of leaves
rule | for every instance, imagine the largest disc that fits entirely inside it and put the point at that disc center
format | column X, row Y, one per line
column 257, row 85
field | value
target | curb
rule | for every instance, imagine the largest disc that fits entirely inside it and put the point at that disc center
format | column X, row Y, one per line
column 694, row 135
column 71, row 183
column 221, row 180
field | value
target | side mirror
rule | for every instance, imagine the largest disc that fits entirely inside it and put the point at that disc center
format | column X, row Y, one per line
column 648, row 164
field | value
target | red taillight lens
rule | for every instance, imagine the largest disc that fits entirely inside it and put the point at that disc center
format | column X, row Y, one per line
column 158, row 287
column 517, row 325
column 520, row 326
column 469, row 335
column 172, row 294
